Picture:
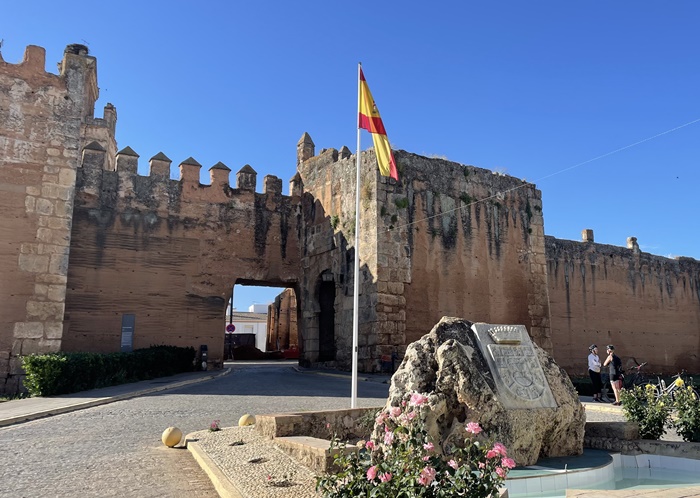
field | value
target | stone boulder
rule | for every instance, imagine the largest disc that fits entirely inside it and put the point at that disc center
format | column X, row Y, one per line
column 496, row 376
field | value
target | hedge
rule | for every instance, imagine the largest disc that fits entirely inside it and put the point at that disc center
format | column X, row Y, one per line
column 63, row 373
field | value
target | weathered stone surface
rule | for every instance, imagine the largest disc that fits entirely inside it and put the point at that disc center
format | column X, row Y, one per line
column 345, row 424
column 29, row 330
column 645, row 447
column 45, row 311
column 33, row 263
column 449, row 366
column 40, row 346
column 625, row 431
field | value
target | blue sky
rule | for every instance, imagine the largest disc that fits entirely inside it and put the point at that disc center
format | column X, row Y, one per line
column 541, row 90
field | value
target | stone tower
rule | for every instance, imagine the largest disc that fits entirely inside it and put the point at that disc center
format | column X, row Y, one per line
column 45, row 122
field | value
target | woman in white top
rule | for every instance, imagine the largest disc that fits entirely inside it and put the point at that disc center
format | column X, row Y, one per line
column 594, row 372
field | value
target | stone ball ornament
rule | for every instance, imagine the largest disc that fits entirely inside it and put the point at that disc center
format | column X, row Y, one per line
column 171, row 436
column 246, row 419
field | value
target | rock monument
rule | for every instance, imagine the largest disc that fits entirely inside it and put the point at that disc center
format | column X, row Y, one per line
column 496, row 376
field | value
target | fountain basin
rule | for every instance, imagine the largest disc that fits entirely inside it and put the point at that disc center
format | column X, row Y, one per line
column 602, row 470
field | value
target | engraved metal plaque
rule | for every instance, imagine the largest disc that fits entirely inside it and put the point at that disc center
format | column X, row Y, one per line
column 511, row 356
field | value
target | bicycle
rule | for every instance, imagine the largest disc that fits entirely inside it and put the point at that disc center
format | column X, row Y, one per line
column 681, row 380
column 636, row 377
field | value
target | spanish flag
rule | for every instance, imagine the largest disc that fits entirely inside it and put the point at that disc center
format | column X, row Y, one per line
column 372, row 122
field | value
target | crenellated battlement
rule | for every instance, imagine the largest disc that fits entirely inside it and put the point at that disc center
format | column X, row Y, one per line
column 102, row 183
column 32, row 66
column 77, row 76
column 108, row 119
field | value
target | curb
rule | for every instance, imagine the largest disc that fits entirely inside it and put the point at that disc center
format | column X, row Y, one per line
column 327, row 374
column 103, row 401
column 222, row 484
column 337, row 375
column 601, row 408
column 340, row 376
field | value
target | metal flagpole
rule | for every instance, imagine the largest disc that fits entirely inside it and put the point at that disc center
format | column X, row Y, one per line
column 356, row 294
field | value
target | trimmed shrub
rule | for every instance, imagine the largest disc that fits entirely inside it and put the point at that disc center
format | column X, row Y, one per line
column 641, row 404
column 63, row 373
column 687, row 420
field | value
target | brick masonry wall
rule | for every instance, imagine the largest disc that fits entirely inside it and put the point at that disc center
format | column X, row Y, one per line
column 170, row 251
column 647, row 306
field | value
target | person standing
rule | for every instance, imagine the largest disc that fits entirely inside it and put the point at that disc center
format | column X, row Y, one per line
column 614, row 363
column 594, row 373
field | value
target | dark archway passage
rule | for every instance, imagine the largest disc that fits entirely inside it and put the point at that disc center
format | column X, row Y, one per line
column 326, row 321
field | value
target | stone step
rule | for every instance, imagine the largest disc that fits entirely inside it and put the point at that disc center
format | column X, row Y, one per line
column 313, row 452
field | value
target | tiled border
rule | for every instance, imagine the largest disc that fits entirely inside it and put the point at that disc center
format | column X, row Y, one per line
column 560, row 480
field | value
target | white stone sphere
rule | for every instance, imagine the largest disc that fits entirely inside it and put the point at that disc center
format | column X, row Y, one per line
column 171, row 436
column 246, row 419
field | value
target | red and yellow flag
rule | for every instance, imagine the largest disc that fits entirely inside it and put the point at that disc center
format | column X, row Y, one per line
column 372, row 122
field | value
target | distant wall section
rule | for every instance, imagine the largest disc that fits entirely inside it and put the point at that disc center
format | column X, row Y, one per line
column 647, row 306
column 282, row 332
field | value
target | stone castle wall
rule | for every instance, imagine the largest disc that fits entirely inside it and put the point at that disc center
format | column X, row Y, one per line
column 468, row 243
column 327, row 257
column 647, row 306
column 427, row 248
column 86, row 240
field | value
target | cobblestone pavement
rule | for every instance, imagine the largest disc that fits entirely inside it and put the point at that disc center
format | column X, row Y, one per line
column 115, row 449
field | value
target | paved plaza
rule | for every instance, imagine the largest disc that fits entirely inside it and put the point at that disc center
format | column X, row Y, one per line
column 114, row 449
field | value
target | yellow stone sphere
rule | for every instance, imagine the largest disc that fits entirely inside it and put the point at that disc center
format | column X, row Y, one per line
column 246, row 419
column 171, row 436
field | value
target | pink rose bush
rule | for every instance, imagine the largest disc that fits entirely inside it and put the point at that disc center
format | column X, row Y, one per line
column 405, row 462
column 473, row 428
column 371, row 473
column 418, row 399
column 427, row 476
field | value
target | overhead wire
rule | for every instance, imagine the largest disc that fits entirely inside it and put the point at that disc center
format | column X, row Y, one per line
column 502, row 193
